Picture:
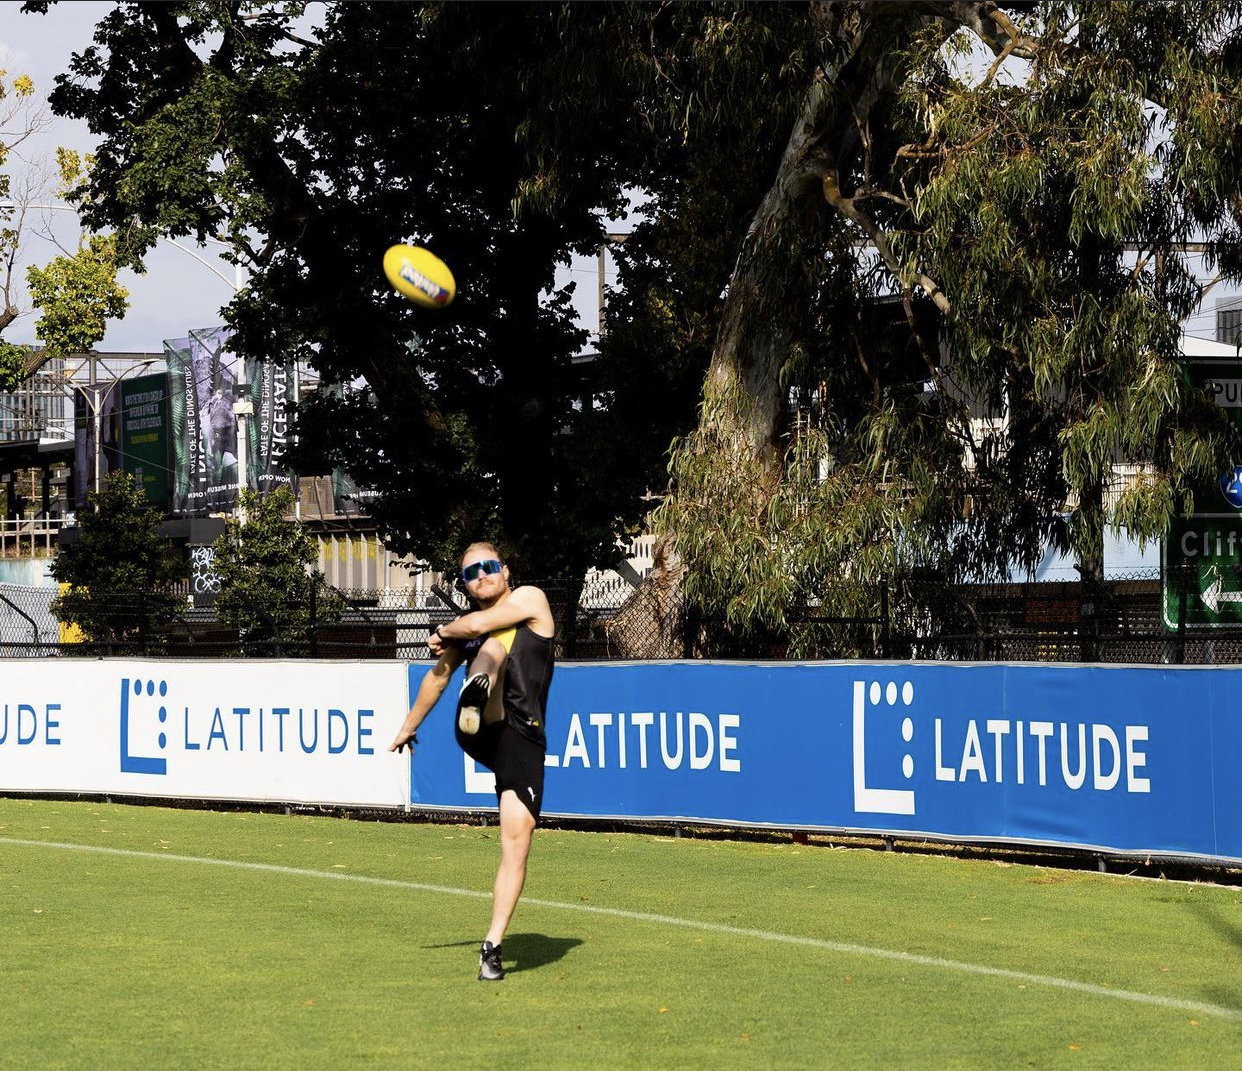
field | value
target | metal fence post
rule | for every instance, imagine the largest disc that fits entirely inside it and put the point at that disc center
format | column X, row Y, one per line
column 886, row 637
column 314, row 623
column 1180, row 652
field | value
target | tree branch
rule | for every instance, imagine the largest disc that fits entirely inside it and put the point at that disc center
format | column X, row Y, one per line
column 847, row 208
column 993, row 27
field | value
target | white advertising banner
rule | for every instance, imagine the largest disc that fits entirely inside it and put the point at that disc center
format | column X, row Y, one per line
column 291, row 732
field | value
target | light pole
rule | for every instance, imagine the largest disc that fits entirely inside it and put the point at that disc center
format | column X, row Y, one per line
column 243, row 410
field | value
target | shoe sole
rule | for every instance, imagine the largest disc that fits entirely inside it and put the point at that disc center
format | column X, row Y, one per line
column 470, row 714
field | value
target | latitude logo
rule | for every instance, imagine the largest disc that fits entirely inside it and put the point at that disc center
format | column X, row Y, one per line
column 232, row 724
column 876, row 699
column 133, row 702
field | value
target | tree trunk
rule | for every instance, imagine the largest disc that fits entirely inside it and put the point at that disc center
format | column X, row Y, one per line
column 771, row 286
column 765, row 303
column 650, row 622
column 1090, row 540
column 728, row 470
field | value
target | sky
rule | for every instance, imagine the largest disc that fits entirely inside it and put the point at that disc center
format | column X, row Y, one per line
column 178, row 292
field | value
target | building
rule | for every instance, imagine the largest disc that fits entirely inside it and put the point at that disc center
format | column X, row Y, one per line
column 61, row 433
column 1229, row 321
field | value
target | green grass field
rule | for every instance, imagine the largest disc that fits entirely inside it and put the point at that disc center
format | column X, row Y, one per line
column 146, row 937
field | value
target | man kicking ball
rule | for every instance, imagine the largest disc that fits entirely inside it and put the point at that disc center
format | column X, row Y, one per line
column 507, row 647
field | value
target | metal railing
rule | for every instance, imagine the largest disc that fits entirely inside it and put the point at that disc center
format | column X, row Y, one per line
column 30, row 537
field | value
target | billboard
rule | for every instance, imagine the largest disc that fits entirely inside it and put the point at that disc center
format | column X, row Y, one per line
column 145, row 435
column 1116, row 759
column 1124, row 759
column 205, row 382
column 301, row 732
column 348, row 499
column 270, row 385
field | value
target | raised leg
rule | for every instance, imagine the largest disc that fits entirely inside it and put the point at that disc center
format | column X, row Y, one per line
column 480, row 699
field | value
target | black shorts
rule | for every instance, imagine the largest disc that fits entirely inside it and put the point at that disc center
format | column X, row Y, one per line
column 516, row 761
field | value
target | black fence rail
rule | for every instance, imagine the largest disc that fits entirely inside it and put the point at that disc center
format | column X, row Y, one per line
column 1119, row 620
column 1176, row 618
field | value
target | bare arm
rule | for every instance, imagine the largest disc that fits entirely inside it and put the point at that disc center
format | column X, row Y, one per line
column 429, row 692
column 524, row 605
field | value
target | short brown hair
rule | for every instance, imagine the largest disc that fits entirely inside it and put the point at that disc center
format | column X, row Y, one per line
column 483, row 544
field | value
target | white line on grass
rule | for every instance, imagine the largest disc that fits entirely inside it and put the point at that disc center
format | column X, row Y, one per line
column 671, row 920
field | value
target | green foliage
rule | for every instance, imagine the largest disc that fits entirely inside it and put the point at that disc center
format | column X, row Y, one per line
column 1053, row 210
column 13, row 362
column 121, row 572
column 268, row 591
column 1038, row 213
column 78, row 295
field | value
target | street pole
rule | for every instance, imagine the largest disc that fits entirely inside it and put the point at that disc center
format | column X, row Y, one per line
column 92, row 378
column 243, row 410
column 95, row 398
column 97, row 422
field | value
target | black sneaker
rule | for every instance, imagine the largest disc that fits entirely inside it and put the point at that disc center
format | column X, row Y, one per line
column 471, row 704
column 490, row 968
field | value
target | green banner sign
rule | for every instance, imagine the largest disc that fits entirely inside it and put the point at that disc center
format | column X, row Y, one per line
column 1201, row 560
column 144, row 435
column 204, row 387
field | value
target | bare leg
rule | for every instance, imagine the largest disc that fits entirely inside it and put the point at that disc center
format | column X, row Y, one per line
column 497, row 661
column 517, row 825
column 489, row 659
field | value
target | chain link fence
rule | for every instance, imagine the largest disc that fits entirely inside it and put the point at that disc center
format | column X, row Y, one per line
column 1145, row 617
column 1141, row 618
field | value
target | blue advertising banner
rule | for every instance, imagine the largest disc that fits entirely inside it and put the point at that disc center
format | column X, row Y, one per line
column 1126, row 759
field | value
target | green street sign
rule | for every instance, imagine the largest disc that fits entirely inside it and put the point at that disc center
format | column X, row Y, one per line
column 1201, row 557
column 1203, row 552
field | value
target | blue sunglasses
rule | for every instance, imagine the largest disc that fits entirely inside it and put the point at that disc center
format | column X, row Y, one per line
column 478, row 569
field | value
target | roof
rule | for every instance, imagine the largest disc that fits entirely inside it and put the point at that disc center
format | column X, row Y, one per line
column 1193, row 346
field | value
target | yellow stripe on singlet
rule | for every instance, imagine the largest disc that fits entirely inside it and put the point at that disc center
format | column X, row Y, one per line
column 506, row 636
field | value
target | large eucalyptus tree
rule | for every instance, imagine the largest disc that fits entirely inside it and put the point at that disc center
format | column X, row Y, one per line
column 1023, row 179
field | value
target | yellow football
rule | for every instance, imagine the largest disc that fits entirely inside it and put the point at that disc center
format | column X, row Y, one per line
column 420, row 275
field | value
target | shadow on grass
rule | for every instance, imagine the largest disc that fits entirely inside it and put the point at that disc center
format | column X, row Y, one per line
column 526, row 951
column 534, row 950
